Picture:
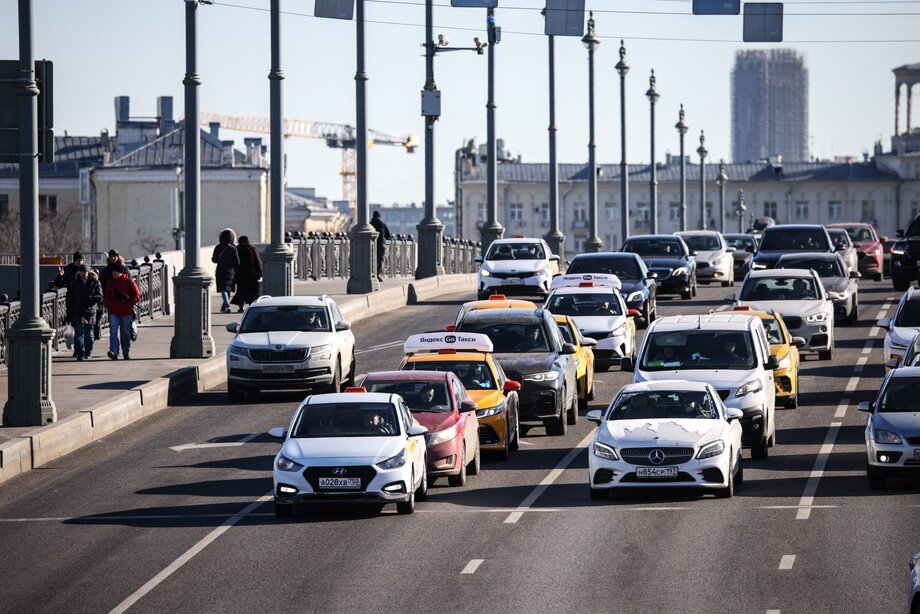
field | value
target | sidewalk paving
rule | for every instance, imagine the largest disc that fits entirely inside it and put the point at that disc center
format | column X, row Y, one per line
column 78, row 386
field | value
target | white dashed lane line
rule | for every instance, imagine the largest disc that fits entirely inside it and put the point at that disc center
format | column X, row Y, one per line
column 817, row 472
column 472, row 566
column 786, row 562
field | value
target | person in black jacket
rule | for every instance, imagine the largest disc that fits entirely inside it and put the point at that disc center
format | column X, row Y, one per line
column 228, row 261
column 83, row 297
column 66, row 274
column 248, row 274
column 383, row 235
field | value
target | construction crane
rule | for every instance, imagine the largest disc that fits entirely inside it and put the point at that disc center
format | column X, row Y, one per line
column 338, row 136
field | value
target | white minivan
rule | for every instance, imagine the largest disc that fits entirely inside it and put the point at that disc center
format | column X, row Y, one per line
column 730, row 351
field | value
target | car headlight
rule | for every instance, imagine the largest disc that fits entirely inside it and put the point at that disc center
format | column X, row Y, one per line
column 757, row 266
column 711, row 449
column 887, row 437
column 318, row 349
column 443, row 436
column 240, row 351
column 816, row 317
column 839, row 296
column 548, row 376
column 681, row 270
column 635, row 296
column 898, row 249
column 619, row 330
column 786, row 362
column 490, row 411
column 755, row 385
column 542, row 273
column 874, row 251
column 394, row 461
column 285, row 464
column 485, row 272
column 604, row 451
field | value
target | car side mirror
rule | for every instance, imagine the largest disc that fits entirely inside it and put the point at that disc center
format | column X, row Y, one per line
column 478, row 259
column 733, row 413
column 884, row 323
column 233, row 327
column 626, row 364
column 892, row 363
column 468, row 405
column 798, row 342
column 855, row 275
column 650, row 275
column 554, row 258
column 730, row 249
column 278, row 432
column 569, row 348
column 416, row 430
column 589, row 342
column 900, row 233
column 772, row 363
column 729, row 298
column 633, row 313
column 865, row 406
column 511, row 386
column 343, row 325
column 595, row 415
column 693, row 252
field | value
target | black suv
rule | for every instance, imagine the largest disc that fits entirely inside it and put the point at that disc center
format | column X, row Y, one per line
column 669, row 261
column 639, row 289
column 530, row 349
column 905, row 256
column 790, row 239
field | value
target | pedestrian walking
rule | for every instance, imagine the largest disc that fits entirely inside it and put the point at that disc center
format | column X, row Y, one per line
column 66, row 274
column 83, row 297
column 383, row 235
column 121, row 295
column 248, row 274
column 228, row 260
column 105, row 276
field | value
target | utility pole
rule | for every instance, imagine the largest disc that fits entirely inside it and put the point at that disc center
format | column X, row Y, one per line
column 653, row 97
column 492, row 229
column 682, row 131
column 554, row 238
column 723, row 181
column 622, row 68
column 591, row 42
column 701, row 150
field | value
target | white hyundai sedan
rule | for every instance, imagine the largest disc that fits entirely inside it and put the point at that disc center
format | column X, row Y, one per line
column 351, row 447
column 666, row 434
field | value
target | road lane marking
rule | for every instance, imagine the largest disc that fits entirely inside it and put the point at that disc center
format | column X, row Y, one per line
column 382, row 346
column 842, row 409
column 796, row 507
column 551, row 477
column 188, row 555
column 852, row 384
column 774, row 612
column 860, row 364
column 808, row 496
column 102, row 518
column 472, row 566
column 787, row 562
column 526, row 443
column 222, row 444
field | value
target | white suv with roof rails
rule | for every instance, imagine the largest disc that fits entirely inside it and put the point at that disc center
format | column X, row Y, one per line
column 290, row 343
column 731, row 352
column 519, row 267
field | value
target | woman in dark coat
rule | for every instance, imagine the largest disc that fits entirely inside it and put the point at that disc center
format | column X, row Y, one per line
column 228, row 260
column 248, row 274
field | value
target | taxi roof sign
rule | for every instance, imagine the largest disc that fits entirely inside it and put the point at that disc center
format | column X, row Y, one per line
column 435, row 342
column 580, row 280
column 355, row 389
column 498, row 297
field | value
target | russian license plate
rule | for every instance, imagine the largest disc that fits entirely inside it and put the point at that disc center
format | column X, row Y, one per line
column 340, row 483
column 513, row 282
column 277, row 368
column 656, row 472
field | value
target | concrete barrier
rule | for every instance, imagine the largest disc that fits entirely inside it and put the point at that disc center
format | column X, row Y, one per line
column 15, row 457
column 212, row 373
column 63, row 437
column 115, row 414
column 154, row 395
column 183, row 383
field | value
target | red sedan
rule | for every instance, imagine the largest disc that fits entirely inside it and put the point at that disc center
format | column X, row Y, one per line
column 868, row 247
column 440, row 403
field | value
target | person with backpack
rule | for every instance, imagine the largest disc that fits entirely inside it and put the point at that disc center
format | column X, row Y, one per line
column 121, row 295
column 83, row 297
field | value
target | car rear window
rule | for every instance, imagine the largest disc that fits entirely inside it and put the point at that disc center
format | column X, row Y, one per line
column 703, row 243
column 824, row 268
column 475, row 375
column 779, row 238
column 511, row 337
column 419, row 395
column 654, row 247
column 516, row 251
column 576, row 305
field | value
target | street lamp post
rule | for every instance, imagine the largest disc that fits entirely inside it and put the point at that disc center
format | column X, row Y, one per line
column 554, row 238
column 29, row 400
column 622, row 68
column 363, row 278
column 653, row 97
column 682, row 131
column 591, row 42
column 492, row 229
column 192, row 328
column 279, row 256
column 701, row 150
column 723, row 181
column 741, row 209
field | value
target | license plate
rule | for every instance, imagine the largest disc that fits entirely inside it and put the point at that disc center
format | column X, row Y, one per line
column 656, row 472
column 277, row 368
column 340, row 483
column 513, row 282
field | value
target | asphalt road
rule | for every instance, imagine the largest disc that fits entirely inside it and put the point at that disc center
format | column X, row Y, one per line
column 131, row 523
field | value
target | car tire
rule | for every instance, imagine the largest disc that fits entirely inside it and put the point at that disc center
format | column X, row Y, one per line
column 876, row 480
column 591, row 392
column 739, row 475
column 687, row 294
column 407, row 507
column 854, row 314
column 460, row 478
column 235, row 394
column 899, row 283
column 476, row 463
column 350, row 380
column 284, row 510
column 878, row 276
column 599, row 494
column 826, row 354
column 792, row 402
column 761, row 451
column 695, row 287
column 729, row 491
column 583, row 397
column 422, row 492
column 558, row 426
column 515, row 444
column 336, row 384
column 571, row 415
column 505, row 453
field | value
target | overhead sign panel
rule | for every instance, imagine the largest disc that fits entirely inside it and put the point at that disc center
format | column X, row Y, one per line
column 763, row 22
column 716, row 7
column 565, row 18
column 475, row 4
column 335, row 9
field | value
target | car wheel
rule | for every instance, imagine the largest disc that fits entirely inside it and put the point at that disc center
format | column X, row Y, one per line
column 505, row 453
column 572, row 415
column 235, row 394
column 407, row 507
column 460, row 478
column 854, row 314
column 350, row 381
column 729, row 491
column 826, row 354
column 687, row 294
column 599, row 494
column 422, row 493
column 695, row 287
column 336, row 384
column 761, row 450
column 284, row 510
column 901, row 284
column 515, row 444
column 476, row 463
column 558, row 426
column 878, row 276
column 591, row 391
column 739, row 475
column 792, row 402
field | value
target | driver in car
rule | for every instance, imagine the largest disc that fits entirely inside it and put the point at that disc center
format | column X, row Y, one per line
column 375, row 422
column 729, row 351
column 311, row 321
column 531, row 341
column 799, row 289
column 426, row 398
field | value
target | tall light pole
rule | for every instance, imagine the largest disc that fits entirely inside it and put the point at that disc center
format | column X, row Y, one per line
column 492, row 229
column 279, row 256
column 723, row 181
column 701, row 150
column 653, row 97
column 363, row 278
column 591, row 43
column 682, row 131
column 192, row 328
column 554, row 238
column 623, row 68
column 430, row 229
column 29, row 400
column 741, row 209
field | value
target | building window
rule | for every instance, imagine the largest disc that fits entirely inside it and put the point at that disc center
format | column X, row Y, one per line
column 610, row 210
column 674, row 212
column 579, row 245
column 611, row 243
column 710, row 221
column 4, row 206
column 516, row 212
column 544, row 213
column 835, row 210
column 48, row 204
column 643, row 215
column 769, row 209
column 868, row 212
column 801, row 210
column 580, row 212
column 481, row 212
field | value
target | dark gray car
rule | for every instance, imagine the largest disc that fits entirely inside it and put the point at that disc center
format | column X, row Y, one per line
column 839, row 282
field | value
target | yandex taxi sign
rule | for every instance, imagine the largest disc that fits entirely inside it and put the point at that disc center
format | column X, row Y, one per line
column 577, row 280
column 434, row 342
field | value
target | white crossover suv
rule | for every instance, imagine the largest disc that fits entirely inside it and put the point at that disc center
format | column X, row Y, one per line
column 519, row 267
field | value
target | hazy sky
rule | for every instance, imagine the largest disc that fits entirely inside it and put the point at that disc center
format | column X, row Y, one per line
column 105, row 48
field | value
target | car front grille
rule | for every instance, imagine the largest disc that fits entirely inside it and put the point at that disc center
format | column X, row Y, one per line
column 660, row 274
column 792, row 322
column 512, row 275
column 913, row 249
column 297, row 374
column 294, row 355
column 724, row 393
column 487, row 435
column 642, row 456
column 313, row 474
column 632, row 478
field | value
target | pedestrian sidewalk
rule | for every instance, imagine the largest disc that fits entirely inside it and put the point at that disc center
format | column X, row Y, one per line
column 79, row 386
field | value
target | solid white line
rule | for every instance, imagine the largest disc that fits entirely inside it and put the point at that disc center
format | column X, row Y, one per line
column 787, row 561
column 655, row 509
column 808, row 496
column 795, row 507
column 472, row 566
column 551, row 477
column 860, row 364
column 188, row 555
column 99, row 519
column 873, row 331
column 526, row 443
column 774, row 612
column 223, row 444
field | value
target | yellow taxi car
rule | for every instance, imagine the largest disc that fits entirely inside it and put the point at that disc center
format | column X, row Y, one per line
column 495, row 301
column 786, row 348
column 469, row 356
column 584, row 357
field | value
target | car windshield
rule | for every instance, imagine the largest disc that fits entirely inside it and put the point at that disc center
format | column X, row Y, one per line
column 839, row 237
column 298, row 318
column 474, row 375
column 774, row 333
column 654, row 247
column 740, row 243
column 779, row 289
column 418, row 395
column 584, row 305
column 346, row 420
column 860, row 234
column 566, row 333
column 702, row 243
column 511, row 337
column 516, row 251
column 824, row 268
column 663, row 405
column 622, row 267
column 783, row 239
column 698, row 349
column 909, row 314
column 902, row 394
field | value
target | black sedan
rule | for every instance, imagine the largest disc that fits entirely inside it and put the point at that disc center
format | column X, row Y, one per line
column 669, row 261
column 639, row 288
column 744, row 245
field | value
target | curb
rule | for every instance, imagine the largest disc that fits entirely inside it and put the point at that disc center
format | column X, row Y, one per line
column 46, row 444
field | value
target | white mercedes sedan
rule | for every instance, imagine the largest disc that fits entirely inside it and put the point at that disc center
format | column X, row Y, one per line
column 666, row 434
